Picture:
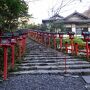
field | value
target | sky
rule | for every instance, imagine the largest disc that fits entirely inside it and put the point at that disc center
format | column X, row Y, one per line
column 42, row 9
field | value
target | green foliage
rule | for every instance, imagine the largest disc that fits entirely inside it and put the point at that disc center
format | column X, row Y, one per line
column 78, row 40
column 43, row 27
column 66, row 40
column 56, row 26
column 36, row 27
column 33, row 26
column 10, row 11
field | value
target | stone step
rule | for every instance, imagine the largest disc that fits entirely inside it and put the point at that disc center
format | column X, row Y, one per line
column 43, row 60
column 43, row 57
column 41, row 53
column 36, row 52
column 56, row 62
column 87, row 70
column 54, row 67
column 60, row 72
column 51, row 60
column 38, row 72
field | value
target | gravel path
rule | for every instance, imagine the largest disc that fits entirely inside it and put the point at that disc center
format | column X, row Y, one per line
column 43, row 82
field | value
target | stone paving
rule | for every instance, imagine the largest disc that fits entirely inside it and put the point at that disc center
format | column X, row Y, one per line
column 44, row 69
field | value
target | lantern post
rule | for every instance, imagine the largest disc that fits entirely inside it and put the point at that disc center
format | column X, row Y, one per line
column 49, row 36
column 45, row 38
column 76, row 48
column 54, row 38
column 71, row 37
column 5, row 43
column 13, row 42
column 20, row 45
column 61, row 36
column 86, row 36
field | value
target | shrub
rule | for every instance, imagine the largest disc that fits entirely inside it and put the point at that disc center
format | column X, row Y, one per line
column 80, row 42
column 66, row 40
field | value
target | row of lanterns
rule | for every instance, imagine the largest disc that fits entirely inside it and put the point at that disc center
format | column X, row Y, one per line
column 86, row 36
column 9, row 40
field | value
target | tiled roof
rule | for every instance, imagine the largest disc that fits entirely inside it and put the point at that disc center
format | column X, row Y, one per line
column 56, row 16
column 79, row 18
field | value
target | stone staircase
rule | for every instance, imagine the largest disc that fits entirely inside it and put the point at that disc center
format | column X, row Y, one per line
column 43, row 60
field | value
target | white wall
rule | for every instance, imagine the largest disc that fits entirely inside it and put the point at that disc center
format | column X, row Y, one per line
column 73, row 28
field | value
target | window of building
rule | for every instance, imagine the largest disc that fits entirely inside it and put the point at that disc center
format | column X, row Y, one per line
column 85, row 30
column 78, row 31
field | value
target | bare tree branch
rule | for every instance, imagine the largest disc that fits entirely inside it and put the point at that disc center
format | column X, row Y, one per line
column 63, row 4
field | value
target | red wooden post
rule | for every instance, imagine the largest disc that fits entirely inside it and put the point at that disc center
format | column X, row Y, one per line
column 54, row 37
column 86, row 38
column 60, row 43
column 24, row 42
column 35, row 36
column 20, row 47
column 49, row 42
column 13, row 57
column 60, row 37
column 72, row 46
column 87, row 49
column 45, row 37
column 71, row 37
column 48, row 39
column 76, row 48
column 66, row 47
column 41, row 38
column 5, row 62
column 38, row 37
column 13, row 42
